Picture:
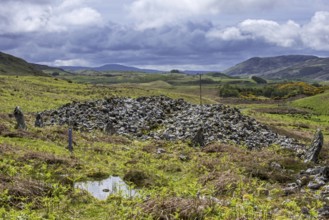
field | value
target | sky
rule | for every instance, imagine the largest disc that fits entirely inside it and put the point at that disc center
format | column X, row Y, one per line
column 162, row 34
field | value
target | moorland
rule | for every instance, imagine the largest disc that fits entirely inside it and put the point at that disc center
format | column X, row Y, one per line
column 173, row 180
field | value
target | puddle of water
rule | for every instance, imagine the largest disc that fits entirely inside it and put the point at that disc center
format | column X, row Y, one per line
column 113, row 185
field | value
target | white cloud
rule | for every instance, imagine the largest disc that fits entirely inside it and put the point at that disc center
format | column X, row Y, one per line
column 227, row 34
column 77, row 17
column 284, row 35
column 30, row 16
column 316, row 33
column 156, row 13
column 71, row 62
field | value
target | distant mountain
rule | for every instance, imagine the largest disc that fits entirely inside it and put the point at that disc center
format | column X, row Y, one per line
column 284, row 67
column 110, row 67
column 11, row 65
column 48, row 68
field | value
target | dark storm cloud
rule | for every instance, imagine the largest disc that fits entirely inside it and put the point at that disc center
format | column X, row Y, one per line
column 77, row 33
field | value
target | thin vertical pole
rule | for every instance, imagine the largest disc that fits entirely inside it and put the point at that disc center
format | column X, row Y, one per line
column 200, row 93
column 70, row 140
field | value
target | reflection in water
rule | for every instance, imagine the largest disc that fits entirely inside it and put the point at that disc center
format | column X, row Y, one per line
column 102, row 189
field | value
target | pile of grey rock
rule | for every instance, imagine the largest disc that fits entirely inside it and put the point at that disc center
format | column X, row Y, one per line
column 160, row 117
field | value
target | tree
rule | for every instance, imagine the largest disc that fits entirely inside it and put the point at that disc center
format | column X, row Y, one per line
column 174, row 71
column 259, row 80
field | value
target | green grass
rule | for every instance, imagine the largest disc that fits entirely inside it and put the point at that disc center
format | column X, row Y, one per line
column 220, row 181
column 34, row 94
column 319, row 104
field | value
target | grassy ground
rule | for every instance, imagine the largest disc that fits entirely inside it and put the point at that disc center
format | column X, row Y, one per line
column 217, row 182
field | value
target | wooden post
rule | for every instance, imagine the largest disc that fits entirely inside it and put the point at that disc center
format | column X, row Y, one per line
column 200, row 92
column 70, row 139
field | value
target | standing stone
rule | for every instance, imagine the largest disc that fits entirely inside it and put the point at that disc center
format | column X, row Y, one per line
column 38, row 121
column 19, row 116
column 199, row 139
column 313, row 153
column 109, row 128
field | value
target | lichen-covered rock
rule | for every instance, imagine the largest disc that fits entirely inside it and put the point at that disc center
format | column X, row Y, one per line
column 38, row 121
column 19, row 116
column 313, row 153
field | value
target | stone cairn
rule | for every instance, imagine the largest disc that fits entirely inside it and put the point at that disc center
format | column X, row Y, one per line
column 159, row 117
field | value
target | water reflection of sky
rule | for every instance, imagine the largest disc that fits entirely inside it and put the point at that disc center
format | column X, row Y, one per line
column 103, row 188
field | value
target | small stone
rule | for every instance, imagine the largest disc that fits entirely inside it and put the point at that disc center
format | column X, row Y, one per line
column 263, row 192
column 325, row 191
column 305, row 211
column 324, row 212
column 291, row 188
column 276, row 165
column 183, row 157
column 316, row 184
column 161, row 151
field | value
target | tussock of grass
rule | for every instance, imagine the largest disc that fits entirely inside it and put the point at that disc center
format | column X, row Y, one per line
column 224, row 183
column 178, row 208
column 138, row 177
column 22, row 190
column 47, row 158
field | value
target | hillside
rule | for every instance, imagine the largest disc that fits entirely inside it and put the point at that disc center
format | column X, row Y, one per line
column 146, row 144
column 109, row 67
column 284, row 67
column 11, row 65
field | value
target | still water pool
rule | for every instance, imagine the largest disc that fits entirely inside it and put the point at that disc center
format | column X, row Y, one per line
column 101, row 189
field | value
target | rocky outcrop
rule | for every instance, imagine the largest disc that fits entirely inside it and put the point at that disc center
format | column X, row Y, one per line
column 160, row 117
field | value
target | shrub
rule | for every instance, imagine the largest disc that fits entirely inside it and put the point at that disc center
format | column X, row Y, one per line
column 55, row 74
column 228, row 91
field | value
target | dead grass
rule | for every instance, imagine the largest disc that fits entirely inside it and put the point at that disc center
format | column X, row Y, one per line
column 224, row 182
column 5, row 148
column 138, row 177
column 178, row 208
column 256, row 163
column 3, row 129
column 49, row 159
column 216, row 148
column 23, row 190
column 282, row 110
column 101, row 137
column 298, row 135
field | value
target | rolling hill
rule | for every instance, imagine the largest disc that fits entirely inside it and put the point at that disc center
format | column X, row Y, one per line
column 11, row 65
column 109, row 67
column 284, row 67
